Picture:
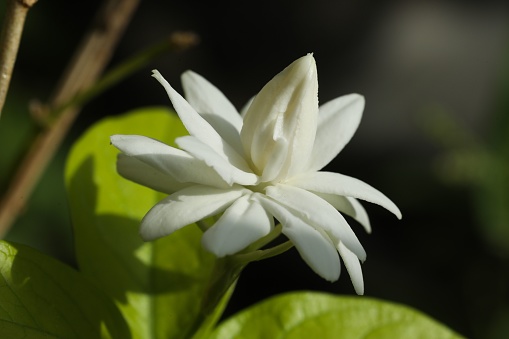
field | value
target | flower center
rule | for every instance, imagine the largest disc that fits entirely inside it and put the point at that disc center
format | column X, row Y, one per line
column 260, row 188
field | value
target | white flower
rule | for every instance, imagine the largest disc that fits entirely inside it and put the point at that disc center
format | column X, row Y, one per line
column 258, row 166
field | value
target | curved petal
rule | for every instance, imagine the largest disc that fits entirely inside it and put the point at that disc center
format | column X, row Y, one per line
column 361, row 216
column 276, row 162
column 195, row 124
column 315, row 247
column 146, row 175
column 337, row 122
column 335, row 183
column 244, row 222
column 174, row 162
column 185, row 207
column 353, row 267
column 228, row 172
column 212, row 105
column 245, row 108
column 349, row 206
column 207, row 98
column 317, row 212
column 287, row 108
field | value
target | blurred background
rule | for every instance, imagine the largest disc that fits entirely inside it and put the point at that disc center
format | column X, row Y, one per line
column 434, row 135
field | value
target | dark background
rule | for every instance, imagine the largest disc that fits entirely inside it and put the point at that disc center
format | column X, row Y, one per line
column 434, row 135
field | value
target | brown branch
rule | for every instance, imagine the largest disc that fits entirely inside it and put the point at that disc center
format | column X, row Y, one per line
column 12, row 29
column 85, row 67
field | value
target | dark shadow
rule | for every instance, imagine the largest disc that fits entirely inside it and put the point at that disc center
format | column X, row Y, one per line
column 107, row 245
column 45, row 292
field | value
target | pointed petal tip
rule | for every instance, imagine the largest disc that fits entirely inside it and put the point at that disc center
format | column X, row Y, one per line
column 357, row 96
column 363, row 256
column 187, row 76
column 116, row 138
column 304, row 64
column 146, row 236
column 395, row 210
column 360, row 98
column 309, row 56
column 331, row 279
column 308, row 59
column 188, row 73
column 160, row 78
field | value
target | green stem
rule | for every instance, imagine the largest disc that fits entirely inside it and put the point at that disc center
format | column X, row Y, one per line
column 264, row 254
column 263, row 241
column 217, row 293
column 276, row 250
column 225, row 274
column 227, row 270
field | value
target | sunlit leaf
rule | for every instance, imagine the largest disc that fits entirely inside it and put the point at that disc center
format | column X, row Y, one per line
column 43, row 298
column 318, row 315
column 157, row 285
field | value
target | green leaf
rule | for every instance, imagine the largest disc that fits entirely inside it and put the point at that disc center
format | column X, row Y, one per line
column 43, row 298
column 318, row 315
column 158, row 285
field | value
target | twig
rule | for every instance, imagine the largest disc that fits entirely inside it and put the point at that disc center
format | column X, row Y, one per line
column 14, row 21
column 86, row 65
column 176, row 42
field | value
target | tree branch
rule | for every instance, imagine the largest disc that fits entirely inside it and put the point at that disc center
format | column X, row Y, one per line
column 85, row 67
column 12, row 29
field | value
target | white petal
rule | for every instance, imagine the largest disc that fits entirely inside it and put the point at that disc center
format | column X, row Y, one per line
column 317, row 212
column 286, row 108
column 245, row 108
column 146, row 175
column 196, row 125
column 349, row 206
column 337, row 122
column 314, row 247
column 335, row 183
column 244, row 222
column 212, row 105
column 361, row 216
column 353, row 267
column 228, row 172
column 185, row 207
column 174, row 162
column 276, row 162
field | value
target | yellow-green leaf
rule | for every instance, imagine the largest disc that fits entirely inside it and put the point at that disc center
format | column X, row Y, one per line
column 157, row 285
column 42, row 298
column 319, row 315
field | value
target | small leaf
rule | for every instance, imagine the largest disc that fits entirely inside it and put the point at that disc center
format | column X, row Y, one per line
column 319, row 315
column 43, row 298
column 157, row 285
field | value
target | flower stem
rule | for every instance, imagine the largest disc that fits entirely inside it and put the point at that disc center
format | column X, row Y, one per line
column 217, row 293
column 225, row 274
column 276, row 250
column 264, row 254
column 264, row 241
column 224, row 277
